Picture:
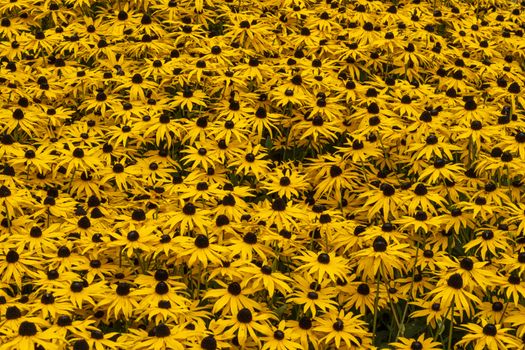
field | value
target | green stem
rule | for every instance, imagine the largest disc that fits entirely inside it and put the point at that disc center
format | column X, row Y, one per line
column 386, row 155
column 149, row 262
column 508, row 180
column 410, row 293
column 8, row 218
column 394, row 311
column 503, row 313
column 449, row 346
column 120, row 258
column 199, row 276
column 442, row 325
column 364, row 171
column 142, row 262
column 376, row 304
column 71, row 180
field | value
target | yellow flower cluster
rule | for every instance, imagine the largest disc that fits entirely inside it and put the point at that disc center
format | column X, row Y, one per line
column 262, row 174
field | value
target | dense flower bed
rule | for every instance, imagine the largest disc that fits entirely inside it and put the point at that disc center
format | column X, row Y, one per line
column 267, row 174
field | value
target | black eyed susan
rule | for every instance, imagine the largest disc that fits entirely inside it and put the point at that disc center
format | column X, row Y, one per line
column 65, row 258
column 488, row 241
column 343, row 328
column 161, row 291
column 419, row 284
column 360, row 151
column 99, row 269
column 161, row 336
column 281, row 338
column 15, row 264
column 200, row 250
column 488, row 335
column 213, row 174
column 232, row 298
column 429, row 258
column 248, row 246
column 303, row 331
column 30, row 335
column 251, row 161
column 362, row 295
column 419, row 343
column 78, row 159
column 313, row 296
column 451, row 294
column 495, row 311
column 265, row 278
column 229, row 269
column 80, row 292
column 245, row 323
column 440, row 170
column 323, row 265
column 331, row 175
column 420, row 221
column 232, row 203
column 281, row 212
column 424, row 198
column 383, row 200
column 457, row 219
column 119, row 302
column 433, row 311
column 188, row 217
column 98, row 339
column 134, row 240
column 285, row 182
column 199, row 157
column 474, row 273
column 382, row 258
column 516, row 320
column 12, row 199
column 50, row 306
column 513, row 262
column 164, row 311
column 513, row 287
column 433, row 145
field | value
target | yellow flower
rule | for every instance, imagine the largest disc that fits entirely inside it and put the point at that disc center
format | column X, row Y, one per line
column 31, row 335
column 285, row 182
column 15, row 264
column 200, row 249
column 343, row 328
column 251, row 161
column 280, row 339
column 264, row 278
column 245, row 323
column 134, row 241
column 187, row 218
column 119, row 302
column 313, row 296
column 80, row 293
column 162, row 336
column 420, row 343
column 434, row 312
column 12, row 200
column 78, row 159
column 323, row 265
column 382, row 258
column 489, row 335
column 188, row 98
column 451, row 293
column 232, row 298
